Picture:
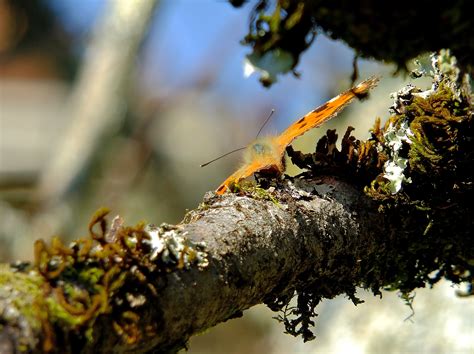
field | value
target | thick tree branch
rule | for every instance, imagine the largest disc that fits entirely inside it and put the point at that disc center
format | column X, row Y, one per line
column 322, row 238
column 251, row 260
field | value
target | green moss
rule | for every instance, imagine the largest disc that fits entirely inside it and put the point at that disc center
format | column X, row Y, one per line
column 28, row 285
column 26, row 301
column 91, row 275
column 61, row 315
column 249, row 188
column 438, row 147
column 106, row 272
column 429, row 142
column 438, row 188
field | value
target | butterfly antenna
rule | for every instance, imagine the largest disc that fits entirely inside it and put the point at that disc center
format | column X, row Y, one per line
column 220, row 157
column 265, row 123
column 242, row 148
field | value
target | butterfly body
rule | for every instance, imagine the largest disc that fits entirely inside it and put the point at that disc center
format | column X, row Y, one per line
column 262, row 149
column 267, row 154
column 263, row 154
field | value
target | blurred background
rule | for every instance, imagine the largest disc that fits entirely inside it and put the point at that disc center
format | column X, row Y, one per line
column 116, row 103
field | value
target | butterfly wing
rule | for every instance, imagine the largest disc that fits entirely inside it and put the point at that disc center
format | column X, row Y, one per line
column 246, row 171
column 311, row 120
column 323, row 113
column 241, row 173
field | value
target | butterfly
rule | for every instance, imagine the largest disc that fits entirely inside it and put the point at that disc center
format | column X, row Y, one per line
column 267, row 153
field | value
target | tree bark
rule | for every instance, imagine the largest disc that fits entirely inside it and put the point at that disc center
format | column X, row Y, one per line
column 258, row 250
column 317, row 238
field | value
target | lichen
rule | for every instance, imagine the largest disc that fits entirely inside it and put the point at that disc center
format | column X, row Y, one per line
column 395, row 166
column 173, row 248
column 254, row 189
column 431, row 131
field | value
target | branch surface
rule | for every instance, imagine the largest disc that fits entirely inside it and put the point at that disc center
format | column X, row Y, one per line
column 255, row 251
column 320, row 239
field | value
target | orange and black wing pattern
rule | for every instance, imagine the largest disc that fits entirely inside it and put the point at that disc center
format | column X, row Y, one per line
column 324, row 112
column 278, row 144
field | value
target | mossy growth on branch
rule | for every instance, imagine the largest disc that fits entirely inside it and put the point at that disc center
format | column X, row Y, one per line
column 112, row 271
column 429, row 142
column 418, row 170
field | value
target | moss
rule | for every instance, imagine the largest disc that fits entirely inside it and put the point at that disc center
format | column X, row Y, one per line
column 251, row 189
column 70, row 287
column 26, row 305
column 439, row 148
column 438, row 188
column 428, row 143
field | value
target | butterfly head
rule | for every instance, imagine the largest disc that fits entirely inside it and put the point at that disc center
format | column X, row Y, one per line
column 262, row 149
column 264, row 154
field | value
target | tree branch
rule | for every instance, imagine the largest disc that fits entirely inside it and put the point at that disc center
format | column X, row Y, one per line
column 280, row 31
column 251, row 260
column 322, row 238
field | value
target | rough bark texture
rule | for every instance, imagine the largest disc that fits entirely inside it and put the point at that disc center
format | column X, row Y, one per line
column 322, row 238
column 258, row 251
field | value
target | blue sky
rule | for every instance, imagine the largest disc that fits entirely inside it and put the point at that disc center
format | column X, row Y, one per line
column 192, row 36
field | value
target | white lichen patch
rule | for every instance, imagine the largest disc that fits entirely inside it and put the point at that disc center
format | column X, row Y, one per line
column 394, row 137
column 402, row 98
column 173, row 248
column 393, row 171
column 443, row 65
column 395, row 166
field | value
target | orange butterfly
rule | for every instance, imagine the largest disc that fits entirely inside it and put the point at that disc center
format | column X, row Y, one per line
column 267, row 154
